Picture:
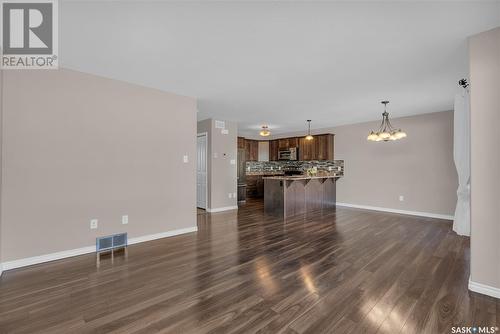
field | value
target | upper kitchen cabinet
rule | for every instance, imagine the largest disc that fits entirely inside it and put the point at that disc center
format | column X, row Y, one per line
column 286, row 143
column 305, row 149
column 273, row 150
column 251, row 150
column 241, row 142
column 324, row 147
column 320, row 148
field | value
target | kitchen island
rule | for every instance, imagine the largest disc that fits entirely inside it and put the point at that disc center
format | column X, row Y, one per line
column 292, row 195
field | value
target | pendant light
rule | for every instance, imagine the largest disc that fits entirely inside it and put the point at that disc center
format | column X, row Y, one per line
column 386, row 131
column 309, row 136
column 265, row 131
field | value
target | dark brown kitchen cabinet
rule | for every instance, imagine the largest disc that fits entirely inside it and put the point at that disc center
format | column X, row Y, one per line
column 282, row 144
column 305, row 149
column 293, row 142
column 287, row 143
column 273, row 150
column 251, row 150
column 241, row 142
column 324, row 147
column 255, row 186
column 319, row 148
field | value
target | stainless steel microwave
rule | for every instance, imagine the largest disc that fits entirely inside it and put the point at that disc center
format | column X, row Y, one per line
column 288, row 154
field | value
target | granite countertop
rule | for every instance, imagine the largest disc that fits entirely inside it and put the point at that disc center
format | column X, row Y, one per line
column 267, row 173
column 302, row 177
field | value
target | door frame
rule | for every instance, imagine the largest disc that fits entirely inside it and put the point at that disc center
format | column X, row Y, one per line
column 203, row 134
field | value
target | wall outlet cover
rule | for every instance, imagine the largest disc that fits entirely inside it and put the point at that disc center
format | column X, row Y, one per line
column 233, row 162
column 125, row 219
column 224, row 131
column 185, row 159
column 401, row 198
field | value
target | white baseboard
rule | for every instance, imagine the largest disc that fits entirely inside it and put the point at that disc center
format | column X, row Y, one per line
column 404, row 212
column 226, row 208
column 89, row 249
column 167, row 234
column 484, row 289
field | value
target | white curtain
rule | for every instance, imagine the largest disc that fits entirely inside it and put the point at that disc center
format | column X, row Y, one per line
column 461, row 155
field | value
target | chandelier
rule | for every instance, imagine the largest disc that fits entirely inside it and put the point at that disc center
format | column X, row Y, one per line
column 386, row 131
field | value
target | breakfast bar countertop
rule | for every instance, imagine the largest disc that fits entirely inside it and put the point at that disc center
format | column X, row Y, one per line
column 301, row 177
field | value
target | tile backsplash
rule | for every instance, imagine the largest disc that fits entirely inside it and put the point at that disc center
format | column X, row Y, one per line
column 329, row 166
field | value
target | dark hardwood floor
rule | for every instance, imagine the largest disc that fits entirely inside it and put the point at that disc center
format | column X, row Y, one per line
column 338, row 271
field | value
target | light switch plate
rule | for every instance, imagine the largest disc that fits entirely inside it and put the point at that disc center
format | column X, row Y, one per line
column 233, row 162
column 220, row 124
column 224, row 131
column 185, row 159
column 93, row 224
column 125, row 219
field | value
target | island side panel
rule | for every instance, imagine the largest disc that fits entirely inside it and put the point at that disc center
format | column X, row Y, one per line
column 274, row 197
column 329, row 193
column 314, row 194
column 295, row 197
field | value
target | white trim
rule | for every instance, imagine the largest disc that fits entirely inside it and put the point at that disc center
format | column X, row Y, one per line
column 89, row 249
column 167, row 234
column 226, row 208
column 404, row 212
column 484, row 289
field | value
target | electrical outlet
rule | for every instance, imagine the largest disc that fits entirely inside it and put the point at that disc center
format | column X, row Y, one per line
column 185, row 159
column 93, row 224
column 229, row 195
column 125, row 219
column 401, row 198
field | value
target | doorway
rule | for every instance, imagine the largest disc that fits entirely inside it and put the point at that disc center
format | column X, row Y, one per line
column 201, row 170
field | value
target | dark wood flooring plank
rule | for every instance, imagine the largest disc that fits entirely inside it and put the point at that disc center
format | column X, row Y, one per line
column 339, row 270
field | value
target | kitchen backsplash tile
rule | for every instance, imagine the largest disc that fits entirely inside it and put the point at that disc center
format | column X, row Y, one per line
column 330, row 166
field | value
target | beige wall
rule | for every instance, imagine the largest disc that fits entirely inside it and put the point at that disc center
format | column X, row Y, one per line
column 222, row 150
column 485, row 158
column 1, row 163
column 78, row 146
column 419, row 167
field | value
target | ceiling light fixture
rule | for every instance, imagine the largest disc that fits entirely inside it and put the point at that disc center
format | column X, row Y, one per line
column 386, row 132
column 309, row 136
column 265, row 131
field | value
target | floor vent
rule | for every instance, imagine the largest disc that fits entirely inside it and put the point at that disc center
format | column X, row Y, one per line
column 109, row 244
column 111, row 241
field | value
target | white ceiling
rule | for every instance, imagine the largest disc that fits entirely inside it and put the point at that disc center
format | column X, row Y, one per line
column 280, row 63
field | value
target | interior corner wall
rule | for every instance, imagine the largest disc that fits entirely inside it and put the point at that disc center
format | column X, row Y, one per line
column 484, row 56
column 222, row 164
column 78, row 147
